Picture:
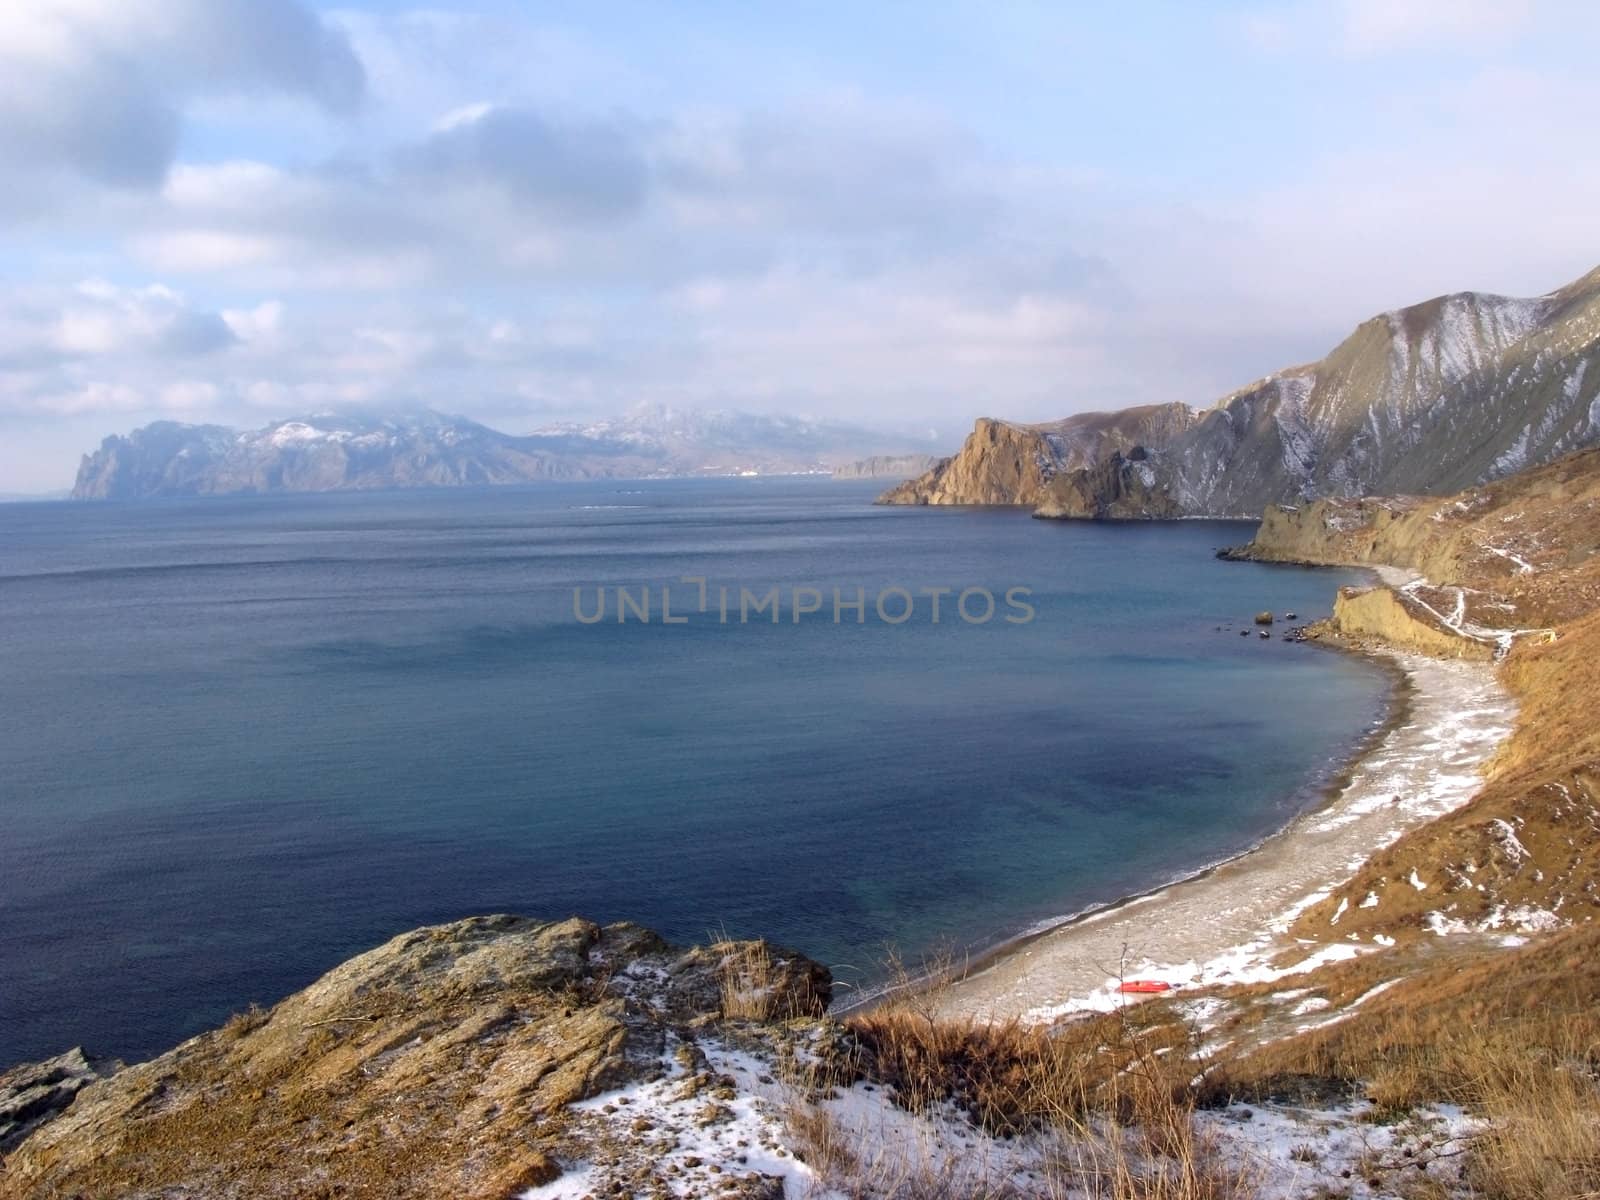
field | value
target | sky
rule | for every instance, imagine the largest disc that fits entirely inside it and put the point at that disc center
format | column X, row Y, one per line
column 902, row 214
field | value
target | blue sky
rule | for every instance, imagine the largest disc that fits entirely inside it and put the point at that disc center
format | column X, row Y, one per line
column 904, row 214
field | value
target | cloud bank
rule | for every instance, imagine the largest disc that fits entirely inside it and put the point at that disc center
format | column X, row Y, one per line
column 233, row 210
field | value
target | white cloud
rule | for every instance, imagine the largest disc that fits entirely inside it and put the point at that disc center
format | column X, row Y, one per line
column 97, row 88
column 101, row 319
column 257, row 325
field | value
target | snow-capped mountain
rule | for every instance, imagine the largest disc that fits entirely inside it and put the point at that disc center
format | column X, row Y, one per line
column 1432, row 398
column 344, row 451
column 738, row 440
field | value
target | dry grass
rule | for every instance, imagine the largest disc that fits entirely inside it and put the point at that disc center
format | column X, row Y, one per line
column 1543, row 1105
column 748, row 978
column 241, row 1023
column 1544, row 780
column 745, row 977
column 1511, row 1036
column 1108, row 1101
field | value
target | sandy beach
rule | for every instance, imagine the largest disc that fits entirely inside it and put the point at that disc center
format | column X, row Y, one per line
column 1228, row 924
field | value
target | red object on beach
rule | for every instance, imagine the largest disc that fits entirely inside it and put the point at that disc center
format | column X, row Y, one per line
column 1144, row 987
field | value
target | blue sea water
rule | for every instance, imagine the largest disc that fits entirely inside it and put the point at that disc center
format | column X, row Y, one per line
column 242, row 739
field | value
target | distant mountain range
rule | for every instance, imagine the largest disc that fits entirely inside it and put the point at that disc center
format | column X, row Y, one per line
column 1429, row 399
column 353, row 451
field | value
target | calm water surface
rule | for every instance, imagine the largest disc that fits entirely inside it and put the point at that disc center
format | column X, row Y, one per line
column 241, row 740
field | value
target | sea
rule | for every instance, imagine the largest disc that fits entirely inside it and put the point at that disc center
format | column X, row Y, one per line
column 242, row 739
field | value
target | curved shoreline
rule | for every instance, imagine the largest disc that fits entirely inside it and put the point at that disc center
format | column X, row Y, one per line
column 980, row 956
column 1226, row 921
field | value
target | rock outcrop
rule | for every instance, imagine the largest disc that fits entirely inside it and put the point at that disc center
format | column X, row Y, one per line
column 1429, row 399
column 1529, row 543
column 1003, row 462
column 1398, row 618
column 444, row 1063
column 1118, row 488
column 34, row 1093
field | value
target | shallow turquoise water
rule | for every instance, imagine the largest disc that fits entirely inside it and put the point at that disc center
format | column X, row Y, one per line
column 243, row 739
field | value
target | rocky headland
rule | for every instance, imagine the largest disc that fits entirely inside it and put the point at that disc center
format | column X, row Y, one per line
column 1428, row 399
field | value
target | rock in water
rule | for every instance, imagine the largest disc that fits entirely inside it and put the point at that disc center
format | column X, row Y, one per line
column 1263, row 618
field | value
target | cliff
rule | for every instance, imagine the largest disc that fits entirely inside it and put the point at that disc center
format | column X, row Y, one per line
column 1003, row 462
column 1118, row 488
column 1428, row 399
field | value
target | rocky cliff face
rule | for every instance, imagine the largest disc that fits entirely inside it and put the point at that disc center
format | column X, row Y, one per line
column 1428, row 399
column 1118, row 488
column 354, row 451
column 1003, row 462
column 451, row 1061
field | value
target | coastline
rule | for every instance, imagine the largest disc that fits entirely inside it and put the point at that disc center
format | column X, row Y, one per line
column 1227, row 922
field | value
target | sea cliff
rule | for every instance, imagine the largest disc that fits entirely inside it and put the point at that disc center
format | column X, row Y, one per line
column 1423, row 400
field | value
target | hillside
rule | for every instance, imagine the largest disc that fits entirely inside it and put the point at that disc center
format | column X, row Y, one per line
column 1507, row 571
column 363, row 451
column 1425, row 400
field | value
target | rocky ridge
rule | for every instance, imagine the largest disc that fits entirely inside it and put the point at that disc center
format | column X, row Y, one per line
column 1428, row 399
column 348, row 451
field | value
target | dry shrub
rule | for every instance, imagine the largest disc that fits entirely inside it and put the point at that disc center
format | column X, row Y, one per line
column 1010, row 1077
column 242, row 1023
column 746, row 977
column 817, row 1140
column 1110, row 1097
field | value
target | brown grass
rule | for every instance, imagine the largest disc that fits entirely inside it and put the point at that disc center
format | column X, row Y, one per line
column 1110, row 1096
column 747, row 977
column 241, row 1023
column 1511, row 1036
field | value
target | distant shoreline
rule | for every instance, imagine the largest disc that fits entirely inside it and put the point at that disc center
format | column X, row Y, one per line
column 1069, row 964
